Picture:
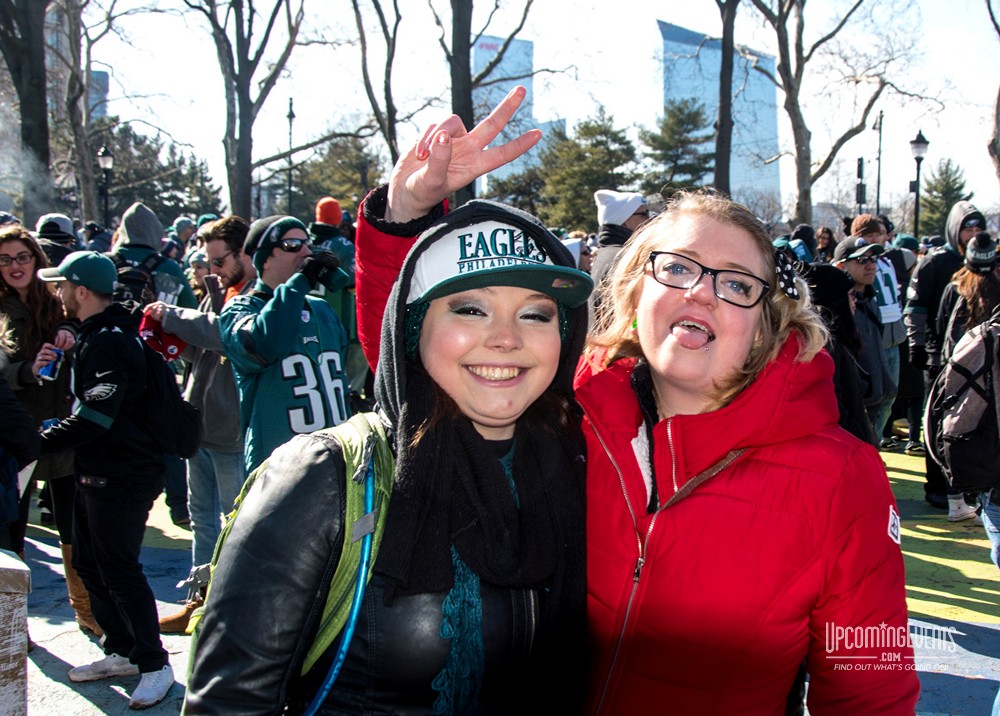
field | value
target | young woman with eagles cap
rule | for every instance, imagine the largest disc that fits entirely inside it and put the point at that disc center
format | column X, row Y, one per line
column 477, row 600
column 737, row 537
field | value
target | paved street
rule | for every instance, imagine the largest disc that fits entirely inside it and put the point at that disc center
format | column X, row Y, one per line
column 953, row 593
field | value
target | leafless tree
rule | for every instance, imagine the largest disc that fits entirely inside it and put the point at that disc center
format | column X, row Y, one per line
column 459, row 57
column 10, row 137
column 388, row 114
column 864, row 75
column 75, row 98
column 994, row 145
column 724, row 122
column 249, row 73
column 766, row 205
column 79, row 26
column 22, row 43
column 457, row 39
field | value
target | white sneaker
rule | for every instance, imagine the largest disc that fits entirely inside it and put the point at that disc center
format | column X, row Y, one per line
column 959, row 509
column 110, row 665
column 152, row 688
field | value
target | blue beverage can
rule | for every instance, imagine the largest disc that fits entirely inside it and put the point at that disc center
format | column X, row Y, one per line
column 46, row 424
column 50, row 371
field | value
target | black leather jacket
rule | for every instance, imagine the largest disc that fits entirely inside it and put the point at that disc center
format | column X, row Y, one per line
column 268, row 592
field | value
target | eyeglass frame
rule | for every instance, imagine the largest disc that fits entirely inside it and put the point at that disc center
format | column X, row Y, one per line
column 6, row 260
column 220, row 261
column 714, row 273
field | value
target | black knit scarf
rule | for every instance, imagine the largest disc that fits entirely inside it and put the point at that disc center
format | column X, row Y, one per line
column 451, row 489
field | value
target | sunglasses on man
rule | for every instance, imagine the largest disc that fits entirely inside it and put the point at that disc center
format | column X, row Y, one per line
column 221, row 260
column 293, row 246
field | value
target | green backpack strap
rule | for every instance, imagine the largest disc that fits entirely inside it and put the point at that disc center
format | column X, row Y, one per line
column 362, row 440
column 196, row 615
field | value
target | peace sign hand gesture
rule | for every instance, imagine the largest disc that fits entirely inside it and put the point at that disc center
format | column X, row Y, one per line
column 449, row 157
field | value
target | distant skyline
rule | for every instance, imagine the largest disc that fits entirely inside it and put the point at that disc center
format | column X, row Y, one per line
column 691, row 69
column 613, row 60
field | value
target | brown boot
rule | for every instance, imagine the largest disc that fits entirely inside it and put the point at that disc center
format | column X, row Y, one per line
column 78, row 597
column 177, row 622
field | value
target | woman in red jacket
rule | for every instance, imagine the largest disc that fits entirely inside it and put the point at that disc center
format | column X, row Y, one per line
column 742, row 532
column 736, row 535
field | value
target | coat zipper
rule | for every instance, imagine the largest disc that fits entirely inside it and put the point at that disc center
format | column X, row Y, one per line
column 532, row 618
column 673, row 454
column 640, row 562
column 643, row 542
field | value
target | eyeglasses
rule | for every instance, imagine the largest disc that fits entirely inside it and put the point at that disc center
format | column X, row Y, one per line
column 25, row 257
column 218, row 263
column 736, row 287
column 864, row 260
column 293, row 246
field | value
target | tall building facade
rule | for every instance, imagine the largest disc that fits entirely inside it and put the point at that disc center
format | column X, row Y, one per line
column 518, row 63
column 691, row 66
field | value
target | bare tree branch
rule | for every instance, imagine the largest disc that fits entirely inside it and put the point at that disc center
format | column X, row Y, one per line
column 492, row 64
column 385, row 116
column 857, row 128
column 364, row 132
column 833, row 33
column 241, row 57
column 787, row 21
column 442, row 37
column 523, row 76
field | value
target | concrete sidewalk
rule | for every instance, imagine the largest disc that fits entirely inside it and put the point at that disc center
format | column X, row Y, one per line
column 60, row 645
column 953, row 592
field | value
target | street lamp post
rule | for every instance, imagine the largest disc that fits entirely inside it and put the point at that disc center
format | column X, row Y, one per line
column 878, row 159
column 918, row 146
column 106, row 160
column 291, row 118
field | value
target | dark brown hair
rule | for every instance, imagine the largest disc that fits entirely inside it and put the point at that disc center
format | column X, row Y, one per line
column 46, row 310
column 232, row 229
column 981, row 293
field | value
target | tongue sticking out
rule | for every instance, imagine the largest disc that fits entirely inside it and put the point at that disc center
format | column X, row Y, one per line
column 690, row 336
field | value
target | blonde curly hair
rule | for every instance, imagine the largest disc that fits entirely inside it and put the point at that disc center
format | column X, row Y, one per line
column 781, row 315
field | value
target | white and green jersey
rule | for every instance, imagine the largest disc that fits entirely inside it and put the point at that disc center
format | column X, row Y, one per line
column 287, row 353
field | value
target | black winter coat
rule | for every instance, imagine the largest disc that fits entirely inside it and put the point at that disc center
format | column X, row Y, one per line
column 110, row 383
column 267, row 595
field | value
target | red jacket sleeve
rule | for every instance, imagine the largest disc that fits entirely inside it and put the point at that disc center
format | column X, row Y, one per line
column 377, row 262
column 860, row 657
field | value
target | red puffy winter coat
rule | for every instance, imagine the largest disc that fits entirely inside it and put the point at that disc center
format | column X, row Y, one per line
column 785, row 549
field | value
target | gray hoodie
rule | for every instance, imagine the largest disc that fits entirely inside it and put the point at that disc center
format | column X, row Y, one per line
column 140, row 227
column 961, row 211
column 929, row 280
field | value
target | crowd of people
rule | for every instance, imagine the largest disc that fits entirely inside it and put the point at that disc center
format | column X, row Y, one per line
column 579, row 443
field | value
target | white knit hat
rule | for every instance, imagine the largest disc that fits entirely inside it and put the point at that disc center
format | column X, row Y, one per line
column 614, row 207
